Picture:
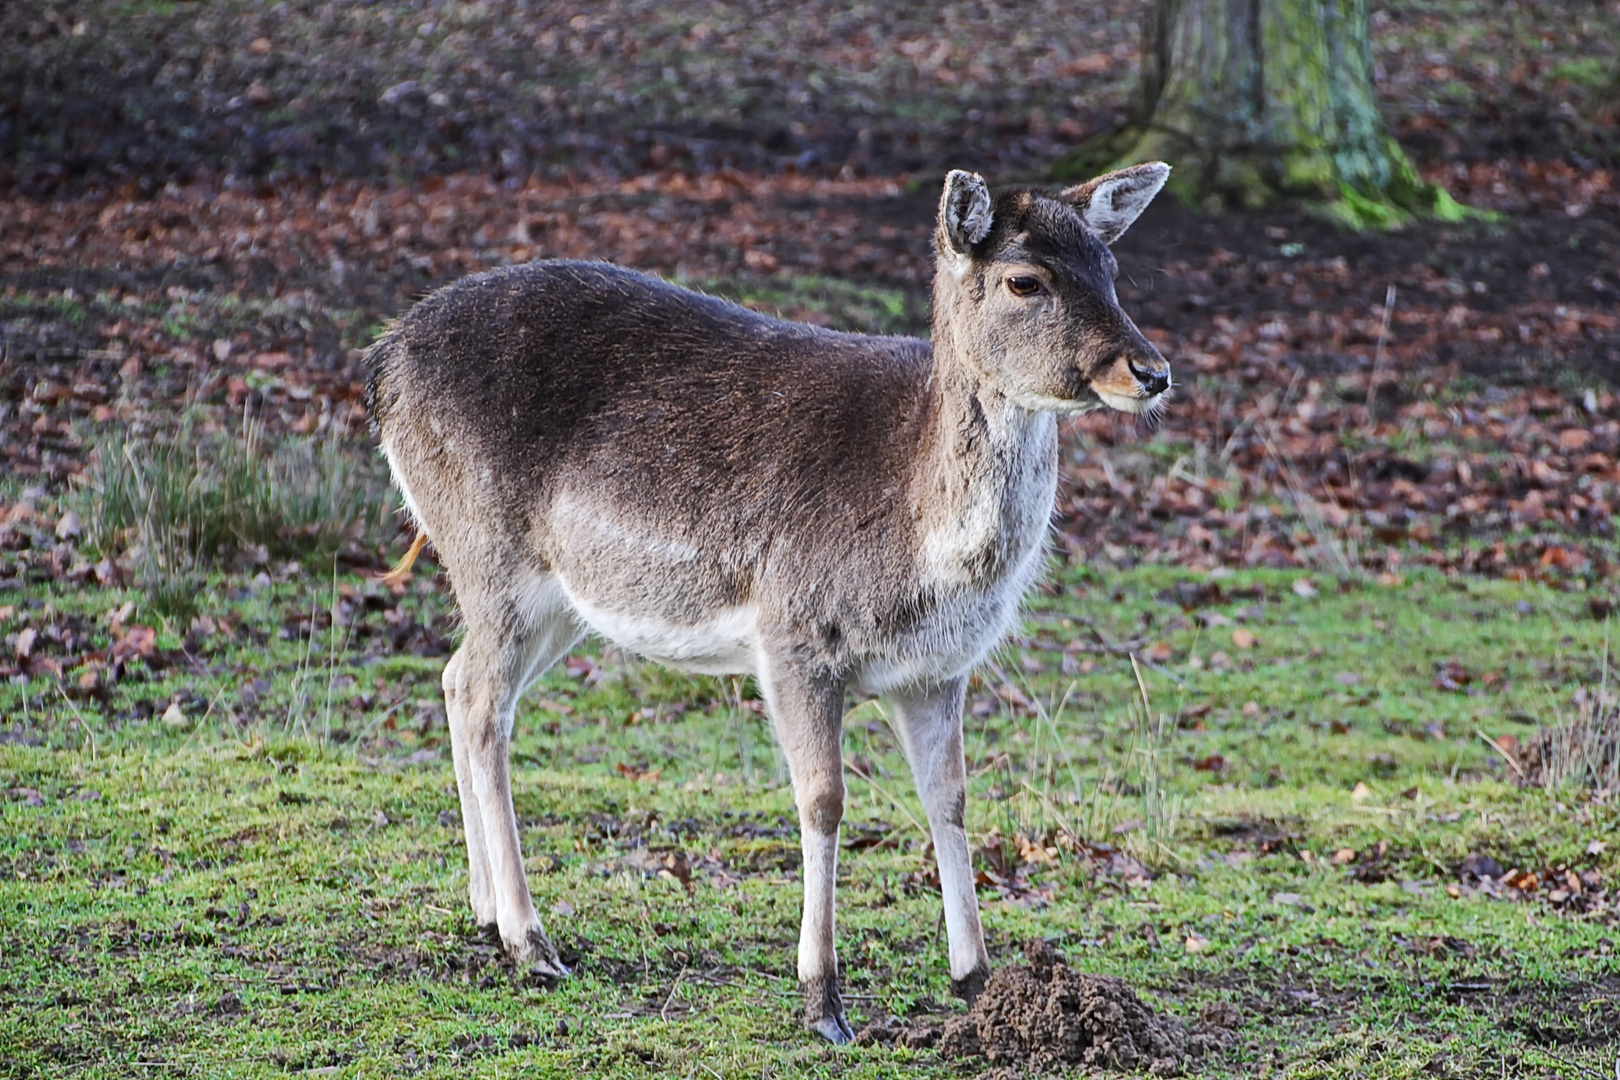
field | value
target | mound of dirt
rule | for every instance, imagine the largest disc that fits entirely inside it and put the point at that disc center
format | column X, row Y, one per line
column 1042, row 1016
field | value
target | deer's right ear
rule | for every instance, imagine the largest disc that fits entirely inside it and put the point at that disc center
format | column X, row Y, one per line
column 964, row 211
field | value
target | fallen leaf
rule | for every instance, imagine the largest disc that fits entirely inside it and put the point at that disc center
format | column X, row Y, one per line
column 69, row 527
column 676, row 865
column 1214, row 763
column 25, row 642
column 1361, row 792
column 1524, row 881
column 136, row 641
column 1303, row 587
column 1596, row 847
column 562, row 908
column 1033, row 851
column 174, row 716
column 1197, row 943
column 1452, row 676
column 1342, row 856
column 1159, row 652
column 1244, row 639
column 1575, row 439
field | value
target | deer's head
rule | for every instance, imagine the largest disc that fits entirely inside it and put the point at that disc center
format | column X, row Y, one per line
column 1025, row 288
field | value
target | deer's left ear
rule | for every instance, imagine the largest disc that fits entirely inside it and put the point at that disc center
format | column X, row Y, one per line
column 1113, row 200
column 964, row 211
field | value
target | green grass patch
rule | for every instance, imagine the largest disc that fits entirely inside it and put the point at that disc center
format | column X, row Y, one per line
column 271, row 877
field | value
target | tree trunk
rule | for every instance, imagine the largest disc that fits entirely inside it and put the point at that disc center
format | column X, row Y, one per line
column 1255, row 100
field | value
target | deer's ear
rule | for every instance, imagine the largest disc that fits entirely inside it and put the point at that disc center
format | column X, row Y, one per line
column 964, row 210
column 1113, row 200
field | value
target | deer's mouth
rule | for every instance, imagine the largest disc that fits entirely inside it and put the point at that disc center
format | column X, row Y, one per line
column 1125, row 403
column 1131, row 387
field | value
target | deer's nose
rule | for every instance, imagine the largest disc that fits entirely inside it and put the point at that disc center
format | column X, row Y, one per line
column 1153, row 380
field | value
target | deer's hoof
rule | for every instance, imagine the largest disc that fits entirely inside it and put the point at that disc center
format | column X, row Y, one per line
column 971, row 985
column 536, row 952
column 835, row 1029
column 824, row 1012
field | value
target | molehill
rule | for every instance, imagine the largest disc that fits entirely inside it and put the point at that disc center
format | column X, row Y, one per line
column 1042, row 1016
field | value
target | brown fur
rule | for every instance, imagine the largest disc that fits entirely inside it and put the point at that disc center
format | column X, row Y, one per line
column 592, row 447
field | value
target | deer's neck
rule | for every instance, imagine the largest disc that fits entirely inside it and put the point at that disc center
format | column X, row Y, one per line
column 987, row 477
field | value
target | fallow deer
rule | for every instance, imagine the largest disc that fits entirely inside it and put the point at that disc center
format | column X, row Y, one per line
column 592, row 449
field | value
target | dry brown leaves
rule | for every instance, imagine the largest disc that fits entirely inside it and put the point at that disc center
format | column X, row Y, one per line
column 1012, row 867
column 1317, row 429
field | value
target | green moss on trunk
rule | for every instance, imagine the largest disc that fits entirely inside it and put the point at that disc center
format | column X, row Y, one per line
column 1259, row 100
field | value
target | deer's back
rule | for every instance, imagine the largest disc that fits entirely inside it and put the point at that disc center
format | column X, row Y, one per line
column 540, row 368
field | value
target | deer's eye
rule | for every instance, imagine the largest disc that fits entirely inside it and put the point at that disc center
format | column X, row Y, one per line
column 1023, row 285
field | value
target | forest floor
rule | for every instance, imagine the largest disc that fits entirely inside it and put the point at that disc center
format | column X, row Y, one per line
column 1368, row 553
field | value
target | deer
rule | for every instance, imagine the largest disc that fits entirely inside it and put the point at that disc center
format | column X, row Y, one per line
column 594, row 450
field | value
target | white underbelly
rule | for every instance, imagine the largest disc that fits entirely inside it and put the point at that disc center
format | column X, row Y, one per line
column 724, row 642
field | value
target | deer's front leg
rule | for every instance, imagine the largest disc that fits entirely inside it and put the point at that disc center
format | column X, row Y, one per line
column 807, row 708
column 929, row 723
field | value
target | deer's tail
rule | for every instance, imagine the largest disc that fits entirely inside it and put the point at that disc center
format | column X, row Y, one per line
column 402, row 569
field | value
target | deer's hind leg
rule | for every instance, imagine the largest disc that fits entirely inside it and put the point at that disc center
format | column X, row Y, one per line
column 508, row 644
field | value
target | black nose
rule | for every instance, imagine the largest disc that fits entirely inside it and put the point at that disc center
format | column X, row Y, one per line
column 1153, row 383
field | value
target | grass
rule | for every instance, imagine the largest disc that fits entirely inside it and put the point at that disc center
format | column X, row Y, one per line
column 189, row 499
column 274, row 882
column 245, row 857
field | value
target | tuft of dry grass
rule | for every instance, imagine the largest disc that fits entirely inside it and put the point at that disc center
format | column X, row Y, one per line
column 176, row 505
column 1583, row 752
